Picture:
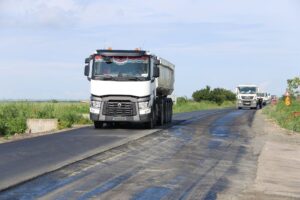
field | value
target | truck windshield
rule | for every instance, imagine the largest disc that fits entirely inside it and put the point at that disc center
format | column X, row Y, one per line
column 260, row 94
column 247, row 90
column 121, row 68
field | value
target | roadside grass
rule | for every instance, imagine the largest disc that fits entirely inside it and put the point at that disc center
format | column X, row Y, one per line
column 283, row 115
column 189, row 106
column 13, row 115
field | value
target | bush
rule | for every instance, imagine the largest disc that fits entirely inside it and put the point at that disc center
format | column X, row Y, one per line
column 202, row 95
column 283, row 114
column 217, row 95
column 181, row 100
column 13, row 116
column 12, row 120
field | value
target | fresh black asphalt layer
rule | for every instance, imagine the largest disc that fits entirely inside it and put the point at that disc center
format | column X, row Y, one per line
column 25, row 159
column 208, row 155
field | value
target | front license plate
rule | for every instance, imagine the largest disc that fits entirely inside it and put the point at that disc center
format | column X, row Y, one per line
column 95, row 110
column 119, row 118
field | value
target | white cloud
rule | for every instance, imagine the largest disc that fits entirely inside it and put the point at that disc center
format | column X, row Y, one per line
column 28, row 13
column 97, row 13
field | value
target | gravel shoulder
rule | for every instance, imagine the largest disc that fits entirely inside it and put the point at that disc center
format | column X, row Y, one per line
column 278, row 171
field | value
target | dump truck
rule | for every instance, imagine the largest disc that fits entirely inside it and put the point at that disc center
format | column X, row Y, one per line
column 247, row 96
column 266, row 97
column 129, row 86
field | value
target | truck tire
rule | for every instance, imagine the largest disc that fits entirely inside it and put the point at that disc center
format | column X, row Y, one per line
column 165, row 102
column 168, row 111
column 161, row 112
column 98, row 124
column 171, row 114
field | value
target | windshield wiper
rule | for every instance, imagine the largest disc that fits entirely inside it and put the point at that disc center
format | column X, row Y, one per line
column 136, row 78
column 107, row 77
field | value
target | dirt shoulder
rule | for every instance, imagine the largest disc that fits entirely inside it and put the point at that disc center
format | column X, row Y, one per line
column 278, row 171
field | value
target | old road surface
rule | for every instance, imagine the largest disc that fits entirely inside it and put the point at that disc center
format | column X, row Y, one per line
column 202, row 155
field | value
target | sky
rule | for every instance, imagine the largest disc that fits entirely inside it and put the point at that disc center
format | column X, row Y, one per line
column 220, row 43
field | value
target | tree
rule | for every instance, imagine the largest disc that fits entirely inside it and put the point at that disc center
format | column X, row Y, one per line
column 218, row 95
column 293, row 86
column 202, row 95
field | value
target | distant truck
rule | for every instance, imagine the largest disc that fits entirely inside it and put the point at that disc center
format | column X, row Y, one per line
column 247, row 96
column 266, row 98
column 129, row 86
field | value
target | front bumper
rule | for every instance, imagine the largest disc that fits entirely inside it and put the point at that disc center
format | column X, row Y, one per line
column 246, row 104
column 119, row 109
column 104, row 118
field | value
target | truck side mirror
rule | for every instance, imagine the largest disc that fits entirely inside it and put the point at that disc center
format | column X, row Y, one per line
column 87, row 60
column 157, row 62
column 87, row 67
column 87, row 70
column 156, row 72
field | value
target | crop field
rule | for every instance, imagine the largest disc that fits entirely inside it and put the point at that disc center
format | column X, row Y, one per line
column 283, row 115
column 13, row 115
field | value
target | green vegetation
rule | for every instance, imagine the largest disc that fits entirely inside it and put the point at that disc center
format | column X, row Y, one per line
column 293, row 86
column 13, row 115
column 283, row 115
column 204, row 99
column 185, row 105
column 217, row 95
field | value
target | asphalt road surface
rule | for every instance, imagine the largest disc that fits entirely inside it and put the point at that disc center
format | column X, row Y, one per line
column 202, row 155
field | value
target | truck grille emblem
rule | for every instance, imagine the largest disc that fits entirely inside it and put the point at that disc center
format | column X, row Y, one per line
column 119, row 105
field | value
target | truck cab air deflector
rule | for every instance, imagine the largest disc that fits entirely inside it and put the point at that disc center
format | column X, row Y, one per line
column 121, row 53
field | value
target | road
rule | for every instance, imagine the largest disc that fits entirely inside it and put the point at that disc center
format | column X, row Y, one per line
column 203, row 155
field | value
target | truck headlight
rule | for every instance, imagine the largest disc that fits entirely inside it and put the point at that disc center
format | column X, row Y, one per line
column 95, row 104
column 143, row 105
column 95, row 107
column 144, row 108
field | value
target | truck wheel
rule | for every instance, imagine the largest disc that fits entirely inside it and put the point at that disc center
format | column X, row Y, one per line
column 98, row 124
column 161, row 112
column 166, row 111
column 169, row 111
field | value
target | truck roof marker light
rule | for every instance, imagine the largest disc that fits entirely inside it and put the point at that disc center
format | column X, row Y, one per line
column 137, row 49
column 97, row 57
column 109, row 48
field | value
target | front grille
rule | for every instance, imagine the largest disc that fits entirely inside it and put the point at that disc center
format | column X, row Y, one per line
column 247, row 97
column 246, row 103
column 119, row 108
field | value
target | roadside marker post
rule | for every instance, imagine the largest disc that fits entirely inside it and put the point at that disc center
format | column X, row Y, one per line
column 287, row 99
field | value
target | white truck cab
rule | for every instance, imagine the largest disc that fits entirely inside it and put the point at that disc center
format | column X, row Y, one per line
column 247, row 96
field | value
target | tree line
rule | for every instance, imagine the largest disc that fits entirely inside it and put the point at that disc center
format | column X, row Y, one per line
column 217, row 95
